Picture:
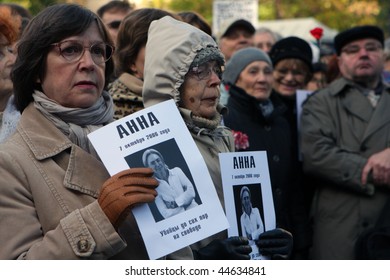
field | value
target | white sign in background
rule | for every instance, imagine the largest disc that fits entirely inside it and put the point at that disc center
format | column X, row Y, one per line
column 225, row 11
column 121, row 143
column 247, row 169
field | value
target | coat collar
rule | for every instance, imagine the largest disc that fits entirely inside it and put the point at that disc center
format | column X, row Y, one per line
column 46, row 141
column 358, row 105
column 42, row 137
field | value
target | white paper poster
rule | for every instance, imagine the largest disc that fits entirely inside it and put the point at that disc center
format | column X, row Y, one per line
column 302, row 95
column 248, row 195
column 187, row 208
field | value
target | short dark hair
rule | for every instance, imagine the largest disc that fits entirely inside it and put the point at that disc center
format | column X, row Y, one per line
column 114, row 6
column 133, row 35
column 197, row 20
column 50, row 26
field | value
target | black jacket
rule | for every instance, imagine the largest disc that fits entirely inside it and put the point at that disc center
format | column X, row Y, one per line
column 273, row 134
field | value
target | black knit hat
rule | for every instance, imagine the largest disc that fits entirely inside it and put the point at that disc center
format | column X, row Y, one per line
column 356, row 33
column 292, row 47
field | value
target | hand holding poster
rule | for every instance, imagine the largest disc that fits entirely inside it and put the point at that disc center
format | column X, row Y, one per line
column 186, row 208
column 248, row 195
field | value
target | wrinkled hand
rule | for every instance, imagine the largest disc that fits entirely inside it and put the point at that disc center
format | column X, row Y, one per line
column 233, row 248
column 124, row 190
column 378, row 166
column 276, row 243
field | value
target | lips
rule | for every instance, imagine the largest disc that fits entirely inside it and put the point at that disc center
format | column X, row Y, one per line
column 214, row 98
column 85, row 83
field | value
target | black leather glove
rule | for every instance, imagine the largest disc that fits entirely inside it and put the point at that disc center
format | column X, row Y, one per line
column 276, row 243
column 233, row 248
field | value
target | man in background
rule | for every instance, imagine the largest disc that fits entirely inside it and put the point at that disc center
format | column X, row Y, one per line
column 345, row 145
column 112, row 15
column 234, row 36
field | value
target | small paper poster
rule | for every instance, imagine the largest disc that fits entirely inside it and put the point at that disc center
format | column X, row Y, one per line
column 248, row 195
column 302, row 95
column 187, row 208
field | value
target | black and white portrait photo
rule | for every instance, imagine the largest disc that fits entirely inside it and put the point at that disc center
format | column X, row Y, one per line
column 176, row 191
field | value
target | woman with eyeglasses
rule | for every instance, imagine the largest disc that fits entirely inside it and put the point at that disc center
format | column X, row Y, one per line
column 57, row 199
column 292, row 59
column 187, row 68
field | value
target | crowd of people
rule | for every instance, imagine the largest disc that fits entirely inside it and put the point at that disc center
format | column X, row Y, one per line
column 69, row 71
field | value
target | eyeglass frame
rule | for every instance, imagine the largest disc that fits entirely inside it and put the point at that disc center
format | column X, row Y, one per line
column 194, row 71
column 370, row 47
column 58, row 45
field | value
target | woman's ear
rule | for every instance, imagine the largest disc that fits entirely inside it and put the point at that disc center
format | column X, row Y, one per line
column 134, row 71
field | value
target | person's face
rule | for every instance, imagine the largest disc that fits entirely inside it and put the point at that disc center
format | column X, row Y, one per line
column 200, row 90
column 7, row 60
column 264, row 41
column 362, row 61
column 157, row 164
column 246, row 202
column 138, row 66
column 77, row 84
column 112, row 20
column 256, row 79
column 289, row 77
column 237, row 39
column 318, row 81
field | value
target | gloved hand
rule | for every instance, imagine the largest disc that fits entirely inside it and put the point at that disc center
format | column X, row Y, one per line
column 124, row 190
column 276, row 243
column 233, row 248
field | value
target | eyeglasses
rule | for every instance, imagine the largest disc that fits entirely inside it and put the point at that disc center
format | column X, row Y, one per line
column 354, row 49
column 203, row 71
column 114, row 24
column 72, row 51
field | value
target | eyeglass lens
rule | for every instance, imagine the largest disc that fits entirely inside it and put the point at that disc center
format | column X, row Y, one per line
column 204, row 71
column 73, row 51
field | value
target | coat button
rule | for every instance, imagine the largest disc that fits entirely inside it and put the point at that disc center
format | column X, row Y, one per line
column 275, row 158
column 83, row 246
column 267, row 128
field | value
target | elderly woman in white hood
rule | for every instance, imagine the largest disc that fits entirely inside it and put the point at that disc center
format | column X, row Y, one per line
column 185, row 64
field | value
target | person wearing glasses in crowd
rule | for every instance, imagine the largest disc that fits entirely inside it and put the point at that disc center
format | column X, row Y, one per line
column 52, row 208
column 187, row 68
column 345, row 145
column 112, row 15
column 292, row 58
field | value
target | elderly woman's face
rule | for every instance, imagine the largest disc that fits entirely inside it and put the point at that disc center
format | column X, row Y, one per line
column 256, row 79
column 75, row 84
column 200, row 91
